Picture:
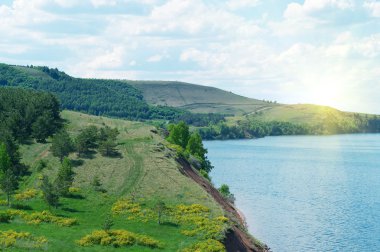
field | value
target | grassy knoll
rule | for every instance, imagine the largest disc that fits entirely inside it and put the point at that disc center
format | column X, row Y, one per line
column 145, row 170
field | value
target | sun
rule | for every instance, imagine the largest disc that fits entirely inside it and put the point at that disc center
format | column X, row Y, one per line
column 327, row 91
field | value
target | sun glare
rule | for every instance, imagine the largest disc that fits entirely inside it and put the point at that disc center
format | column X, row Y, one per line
column 327, row 91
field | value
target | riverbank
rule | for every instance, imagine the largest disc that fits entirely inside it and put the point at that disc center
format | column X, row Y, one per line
column 237, row 238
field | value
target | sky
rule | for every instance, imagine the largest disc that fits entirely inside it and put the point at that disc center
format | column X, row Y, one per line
column 313, row 51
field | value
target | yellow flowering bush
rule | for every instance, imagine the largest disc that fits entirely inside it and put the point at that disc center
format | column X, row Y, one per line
column 3, row 203
column 16, row 212
column 192, row 209
column 44, row 216
column 74, row 190
column 132, row 209
column 208, row 245
column 118, row 238
column 26, row 195
column 198, row 221
column 12, row 238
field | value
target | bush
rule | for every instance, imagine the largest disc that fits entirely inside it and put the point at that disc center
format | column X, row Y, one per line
column 44, row 216
column 74, row 190
column 26, row 195
column 41, row 164
column 12, row 238
column 5, row 217
column 133, row 210
column 208, row 245
column 118, row 238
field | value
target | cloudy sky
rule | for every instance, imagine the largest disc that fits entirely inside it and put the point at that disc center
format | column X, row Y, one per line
column 312, row 51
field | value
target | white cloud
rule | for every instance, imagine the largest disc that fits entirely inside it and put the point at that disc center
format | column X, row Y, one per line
column 109, row 59
column 296, row 10
column 239, row 4
column 373, row 7
column 99, row 3
column 155, row 58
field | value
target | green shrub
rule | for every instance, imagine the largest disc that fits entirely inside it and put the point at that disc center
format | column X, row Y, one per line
column 5, row 217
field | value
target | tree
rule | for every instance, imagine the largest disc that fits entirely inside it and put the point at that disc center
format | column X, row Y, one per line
column 62, row 145
column 49, row 192
column 160, row 208
column 179, row 134
column 108, row 148
column 42, row 127
column 108, row 223
column 8, row 180
column 195, row 146
column 107, row 141
column 65, row 177
column 12, row 150
column 225, row 191
column 86, row 139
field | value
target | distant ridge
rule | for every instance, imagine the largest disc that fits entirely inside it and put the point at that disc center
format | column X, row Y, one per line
column 197, row 98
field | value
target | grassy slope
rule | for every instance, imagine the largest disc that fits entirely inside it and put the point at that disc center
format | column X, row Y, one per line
column 143, row 168
column 198, row 99
column 301, row 113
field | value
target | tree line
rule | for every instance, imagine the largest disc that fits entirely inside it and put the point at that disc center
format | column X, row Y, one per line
column 190, row 146
column 251, row 129
column 25, row 115
column 112, row 98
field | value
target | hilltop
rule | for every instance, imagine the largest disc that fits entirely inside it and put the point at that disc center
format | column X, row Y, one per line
column 197, row 98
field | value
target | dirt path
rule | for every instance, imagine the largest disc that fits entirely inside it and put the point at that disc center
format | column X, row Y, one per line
column 136, row 171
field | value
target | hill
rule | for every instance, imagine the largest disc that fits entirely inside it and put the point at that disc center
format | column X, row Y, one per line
column 200, row 106
column 197, row 98
column 321, row 119
column 146, row 172
column 99, row 97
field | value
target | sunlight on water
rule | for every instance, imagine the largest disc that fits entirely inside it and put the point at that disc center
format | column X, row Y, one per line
column 305, row 193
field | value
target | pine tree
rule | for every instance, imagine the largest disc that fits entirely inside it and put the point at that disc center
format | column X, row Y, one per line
column 62, row 145
column 107, row 141
column 49, row 193
column 107, row 148
column 86, row 139
column 65, row 177
column 8, row 180
column 43, row 127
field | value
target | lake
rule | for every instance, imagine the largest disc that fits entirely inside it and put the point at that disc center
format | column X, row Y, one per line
column 305, row 193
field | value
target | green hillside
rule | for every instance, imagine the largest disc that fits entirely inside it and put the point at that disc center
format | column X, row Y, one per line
column 94, row 96
column 145, row 170
column 321, row 119
column 197, row 98
column 200, row 106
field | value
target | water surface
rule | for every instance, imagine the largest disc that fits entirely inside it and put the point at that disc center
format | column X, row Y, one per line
column 305, row 193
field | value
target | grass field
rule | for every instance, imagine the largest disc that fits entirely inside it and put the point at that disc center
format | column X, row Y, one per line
column 197, row 98
column 145, row 169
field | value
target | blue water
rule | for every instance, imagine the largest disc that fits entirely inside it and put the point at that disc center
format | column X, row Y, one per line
column 305, row 193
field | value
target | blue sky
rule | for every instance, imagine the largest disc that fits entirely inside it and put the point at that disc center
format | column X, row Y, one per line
column 314, row 51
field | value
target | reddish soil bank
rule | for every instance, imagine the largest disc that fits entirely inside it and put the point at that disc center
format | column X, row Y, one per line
column 236, row 239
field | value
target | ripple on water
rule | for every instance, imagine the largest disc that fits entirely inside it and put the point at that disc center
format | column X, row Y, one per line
column 305, row 193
